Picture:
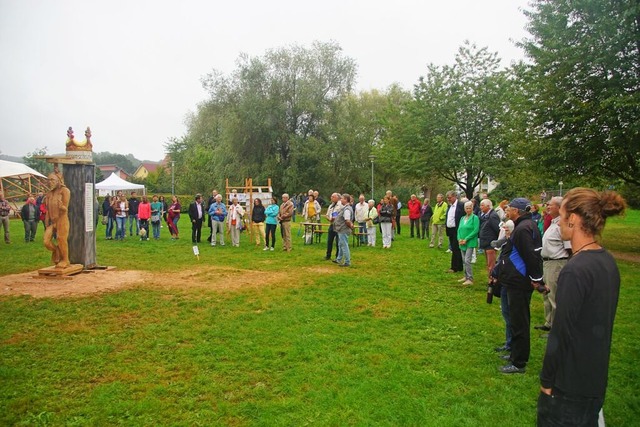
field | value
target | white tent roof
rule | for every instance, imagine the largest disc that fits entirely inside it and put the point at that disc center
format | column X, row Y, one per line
column 17, row 170
column 114, row 182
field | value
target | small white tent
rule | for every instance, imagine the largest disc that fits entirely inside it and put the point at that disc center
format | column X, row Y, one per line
column 115, row 183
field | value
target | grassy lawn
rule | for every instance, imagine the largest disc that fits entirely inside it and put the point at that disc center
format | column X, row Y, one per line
column 392, row 341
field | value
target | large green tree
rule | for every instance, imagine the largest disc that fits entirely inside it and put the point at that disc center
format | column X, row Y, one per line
column 457, row 126
column 274, row 116
column 585, row 78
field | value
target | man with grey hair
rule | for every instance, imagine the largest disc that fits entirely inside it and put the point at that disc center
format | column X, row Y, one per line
column 489, row 231
column 455, row 212
column 438, row 220
column 217, row 212
column 284, row 216
column 555, row 253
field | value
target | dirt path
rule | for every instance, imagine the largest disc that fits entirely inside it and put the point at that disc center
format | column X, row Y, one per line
column 98, row 281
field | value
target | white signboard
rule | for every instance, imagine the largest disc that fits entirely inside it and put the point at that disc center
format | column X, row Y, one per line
column 88, row 207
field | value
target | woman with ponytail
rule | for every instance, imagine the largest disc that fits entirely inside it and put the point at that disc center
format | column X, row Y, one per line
column 576, row 363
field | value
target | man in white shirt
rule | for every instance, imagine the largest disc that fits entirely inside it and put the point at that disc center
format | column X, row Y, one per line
column 361, row 212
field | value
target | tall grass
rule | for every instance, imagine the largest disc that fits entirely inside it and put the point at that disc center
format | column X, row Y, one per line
column 392, row 341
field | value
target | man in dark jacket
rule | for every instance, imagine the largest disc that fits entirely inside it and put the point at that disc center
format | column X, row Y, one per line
column 521, row 273
column 196, row 215
column 133, row 213
column 455, row 212
column 489, row 231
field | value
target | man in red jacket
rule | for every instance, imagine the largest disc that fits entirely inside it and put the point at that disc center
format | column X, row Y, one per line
column 414, row 214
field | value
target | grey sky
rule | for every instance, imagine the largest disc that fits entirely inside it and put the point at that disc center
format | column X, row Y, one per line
column 131, row 69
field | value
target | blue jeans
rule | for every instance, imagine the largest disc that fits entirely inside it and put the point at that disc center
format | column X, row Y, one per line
column 504, row 308
column 121, row 224
column 362, row 228
column 156, row 229
column 133, row 219
column 343, row 249
column 109, row 231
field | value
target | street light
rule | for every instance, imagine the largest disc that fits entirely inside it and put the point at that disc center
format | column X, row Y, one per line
column 173, row 179
column 560, row 184
column 372, row 158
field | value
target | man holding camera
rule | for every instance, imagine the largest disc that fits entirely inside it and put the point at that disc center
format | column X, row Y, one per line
column 521, row 273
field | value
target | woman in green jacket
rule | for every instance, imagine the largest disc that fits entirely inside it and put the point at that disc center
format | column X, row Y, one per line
column 468, row 240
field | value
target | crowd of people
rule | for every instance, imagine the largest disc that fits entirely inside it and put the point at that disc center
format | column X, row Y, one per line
column 553, row 249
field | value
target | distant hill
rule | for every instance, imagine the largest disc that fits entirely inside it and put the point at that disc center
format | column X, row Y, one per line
column 11, row 158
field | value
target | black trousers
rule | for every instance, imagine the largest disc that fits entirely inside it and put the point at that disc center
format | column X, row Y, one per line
column 425, row 228
column 561, row 410
column 332, row 237
column 520, row 316
column 456, row 255
column 196, row 230
column 415, row 223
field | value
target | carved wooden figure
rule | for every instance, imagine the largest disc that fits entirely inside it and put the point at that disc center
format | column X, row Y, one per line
column 57, row 220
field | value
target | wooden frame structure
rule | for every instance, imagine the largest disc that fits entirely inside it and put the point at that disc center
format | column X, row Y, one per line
column 247, row 202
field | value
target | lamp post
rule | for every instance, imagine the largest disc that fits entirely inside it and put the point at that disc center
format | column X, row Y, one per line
column 560, row 184
column 173, row 179
column 372, row 158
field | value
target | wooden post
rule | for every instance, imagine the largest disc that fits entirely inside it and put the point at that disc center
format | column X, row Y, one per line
column 80, row 180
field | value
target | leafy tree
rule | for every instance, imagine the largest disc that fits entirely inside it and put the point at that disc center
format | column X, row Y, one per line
column 128, row 162
column 99, row 176
column 585, row 81
column 457, row 124
column 40, row 165
column 270, row 118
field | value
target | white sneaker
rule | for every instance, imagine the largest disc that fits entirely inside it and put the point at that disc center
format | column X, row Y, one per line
column 448, row 251
column 266, row 248
column 271, row 248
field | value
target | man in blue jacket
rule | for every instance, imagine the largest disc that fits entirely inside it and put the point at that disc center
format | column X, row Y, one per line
column 217, row 212
column 520, row 274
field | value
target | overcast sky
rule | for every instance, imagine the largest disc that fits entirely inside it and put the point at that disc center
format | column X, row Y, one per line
column 131, row 69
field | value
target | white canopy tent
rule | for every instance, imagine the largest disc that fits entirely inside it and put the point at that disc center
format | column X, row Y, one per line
column 12, row 171
column 17, row 170
column 115, row 183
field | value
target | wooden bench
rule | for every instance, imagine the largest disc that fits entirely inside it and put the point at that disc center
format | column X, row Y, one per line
column 318, row 234
column 355, row 239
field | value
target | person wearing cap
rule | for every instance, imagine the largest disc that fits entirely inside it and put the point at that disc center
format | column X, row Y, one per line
column 196, row 215
column 505, row 234
column 520, row 273
column 555, row 253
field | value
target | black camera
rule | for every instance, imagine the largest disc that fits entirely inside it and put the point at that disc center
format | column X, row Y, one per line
column 541, row 287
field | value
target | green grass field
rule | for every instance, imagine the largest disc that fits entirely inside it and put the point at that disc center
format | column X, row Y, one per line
column 393, row 341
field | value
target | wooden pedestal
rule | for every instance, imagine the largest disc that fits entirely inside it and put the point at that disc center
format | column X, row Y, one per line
column 54, row 271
